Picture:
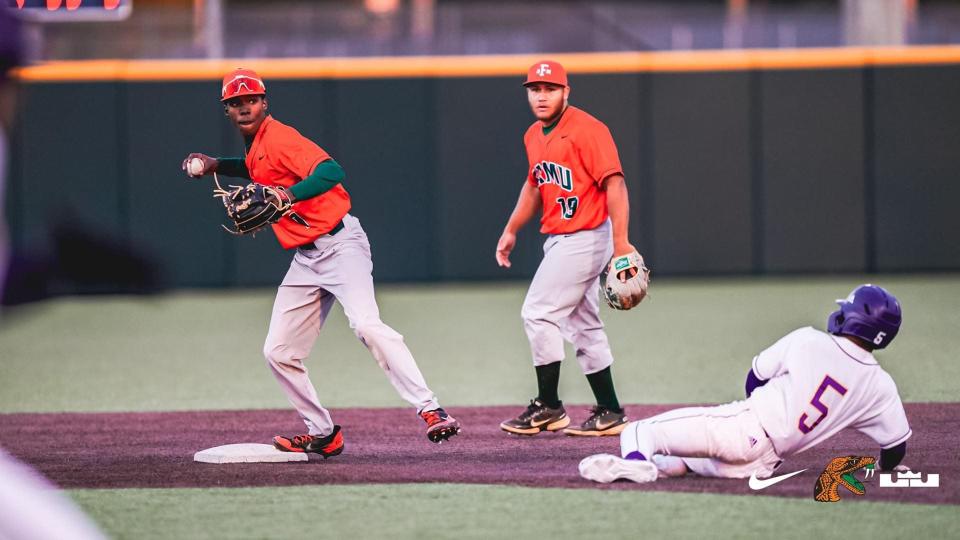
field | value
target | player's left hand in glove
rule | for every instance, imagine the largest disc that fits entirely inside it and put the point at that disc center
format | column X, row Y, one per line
column 254, row 206
column 625, row 281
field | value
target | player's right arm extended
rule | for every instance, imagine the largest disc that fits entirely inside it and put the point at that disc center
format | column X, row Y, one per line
column 232, row 166
column 209, row 165
column 528, row 204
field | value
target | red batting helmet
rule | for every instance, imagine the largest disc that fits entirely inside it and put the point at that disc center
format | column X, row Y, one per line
column 242, row 82
column 547, row 71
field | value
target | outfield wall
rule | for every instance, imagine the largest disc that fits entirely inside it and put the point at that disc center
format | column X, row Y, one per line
column 738, row 163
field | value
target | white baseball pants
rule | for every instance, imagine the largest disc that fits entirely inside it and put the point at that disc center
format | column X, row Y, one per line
column 725, row 441
column 340, row 268
column 563, row 300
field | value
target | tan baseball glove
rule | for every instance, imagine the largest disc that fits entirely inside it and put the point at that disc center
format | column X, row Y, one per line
column 625, row 281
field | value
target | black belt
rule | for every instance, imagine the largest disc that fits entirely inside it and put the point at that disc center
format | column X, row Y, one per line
column 336, row 228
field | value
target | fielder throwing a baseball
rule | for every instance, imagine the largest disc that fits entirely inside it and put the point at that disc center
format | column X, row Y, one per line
column 332, row 262
column 801, row 391
column 575, row 177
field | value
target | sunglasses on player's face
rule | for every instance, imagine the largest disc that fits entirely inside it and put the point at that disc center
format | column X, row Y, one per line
column 243, row 83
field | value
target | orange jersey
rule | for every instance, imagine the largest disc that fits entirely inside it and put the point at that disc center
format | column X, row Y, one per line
column 281, row 156
column 568, row 166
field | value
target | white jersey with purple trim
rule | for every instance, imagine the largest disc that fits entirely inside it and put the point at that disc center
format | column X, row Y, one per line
column 819, row 384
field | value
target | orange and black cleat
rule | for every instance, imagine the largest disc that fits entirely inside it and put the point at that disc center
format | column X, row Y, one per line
column 328, row 446
column 440, row 425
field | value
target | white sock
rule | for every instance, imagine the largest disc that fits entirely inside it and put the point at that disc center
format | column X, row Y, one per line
column 669, row 466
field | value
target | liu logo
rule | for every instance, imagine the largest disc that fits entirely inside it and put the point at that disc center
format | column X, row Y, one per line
column 839, row 472
column 909, row 479
column 544, row 69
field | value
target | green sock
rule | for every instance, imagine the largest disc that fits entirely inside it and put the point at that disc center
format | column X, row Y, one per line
column 601, row 383
column 548, row 382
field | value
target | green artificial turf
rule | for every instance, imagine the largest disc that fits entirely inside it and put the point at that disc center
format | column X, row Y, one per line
column 436, row 511
column 691, row 342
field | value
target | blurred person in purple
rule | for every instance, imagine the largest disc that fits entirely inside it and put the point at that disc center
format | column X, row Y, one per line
column 31, row 508
column 10, row 57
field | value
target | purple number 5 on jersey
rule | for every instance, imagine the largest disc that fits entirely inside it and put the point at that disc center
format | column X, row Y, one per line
column 828, row 382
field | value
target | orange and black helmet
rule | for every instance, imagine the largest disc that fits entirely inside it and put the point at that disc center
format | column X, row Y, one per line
column 242, row 82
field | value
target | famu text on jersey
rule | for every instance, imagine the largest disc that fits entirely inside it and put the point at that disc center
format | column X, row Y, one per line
column 548, row 172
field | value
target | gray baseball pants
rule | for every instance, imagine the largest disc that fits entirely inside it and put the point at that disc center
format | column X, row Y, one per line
column 563, row 302
column 340, row 268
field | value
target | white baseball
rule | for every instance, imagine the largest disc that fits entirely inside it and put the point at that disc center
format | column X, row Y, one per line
column 195, row 167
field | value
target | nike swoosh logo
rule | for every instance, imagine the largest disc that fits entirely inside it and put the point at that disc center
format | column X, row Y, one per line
column 601, row 427
column 538, row 424
column 756, row 483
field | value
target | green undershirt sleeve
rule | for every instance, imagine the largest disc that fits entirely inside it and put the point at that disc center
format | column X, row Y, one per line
column 323, row 178
column 232, row 166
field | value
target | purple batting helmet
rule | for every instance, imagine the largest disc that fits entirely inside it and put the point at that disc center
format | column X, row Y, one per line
column 869, row 313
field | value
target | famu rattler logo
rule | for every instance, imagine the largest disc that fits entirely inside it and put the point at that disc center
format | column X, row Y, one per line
column 840, row 472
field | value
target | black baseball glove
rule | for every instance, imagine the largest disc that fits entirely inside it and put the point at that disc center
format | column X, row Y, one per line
column 254, row 206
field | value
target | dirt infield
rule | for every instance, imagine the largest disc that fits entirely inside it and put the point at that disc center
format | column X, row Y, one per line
column 155, row 450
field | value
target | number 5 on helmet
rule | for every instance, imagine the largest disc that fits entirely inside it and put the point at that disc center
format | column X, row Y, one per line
column 625, row 281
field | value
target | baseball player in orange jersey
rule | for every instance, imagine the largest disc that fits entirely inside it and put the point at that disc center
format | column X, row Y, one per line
column 332, row 262
column 575, row 177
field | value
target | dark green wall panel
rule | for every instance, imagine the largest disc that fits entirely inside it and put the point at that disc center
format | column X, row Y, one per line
column 735, row 172
column 481, row 165
column 172, row 216
column 619, row 102
column 71, row 167
column 310, row 106
column 702, row 173
column 917, row 159
column 386, row 141
column 812, row 145
column 258, row 261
